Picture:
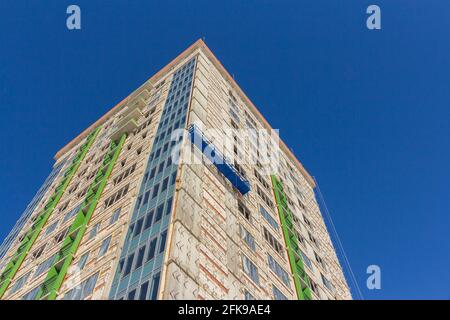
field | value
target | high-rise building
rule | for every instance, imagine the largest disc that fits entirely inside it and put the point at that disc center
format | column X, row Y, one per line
column 29, row 210
column 181, row 191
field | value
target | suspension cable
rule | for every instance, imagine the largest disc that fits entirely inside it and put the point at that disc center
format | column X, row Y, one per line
column 338, row 241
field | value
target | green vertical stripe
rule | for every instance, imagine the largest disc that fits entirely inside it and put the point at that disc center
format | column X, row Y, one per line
column 32, row 234
column 301, row 279
column 57, row 273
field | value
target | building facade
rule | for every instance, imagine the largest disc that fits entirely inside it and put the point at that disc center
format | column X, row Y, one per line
column 39, row 196
column 181, row 191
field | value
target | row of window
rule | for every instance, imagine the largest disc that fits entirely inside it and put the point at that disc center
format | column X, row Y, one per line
column 267, row 235
column 143, row 293
column 167, row 133
column 116, row 196
column 143, row 254
column 251, row 271
column 314, row 241
column 82, row 291
column 157, row 189
column 274, row 243
column 184, row 74
column 261, row 179
column 78, row 293
column 145, row 124
column 244, row 210
column 124, row 174
column 44, row 266
column 72, row 213
column 151, row 218
column 156, row 170
column 265, row 198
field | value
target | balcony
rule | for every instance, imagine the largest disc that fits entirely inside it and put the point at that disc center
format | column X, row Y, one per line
column 125, row 128
column 138, row 99
column 143, row 93
column 128, row 115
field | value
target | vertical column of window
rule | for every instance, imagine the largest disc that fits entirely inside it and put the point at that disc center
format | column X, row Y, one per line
column 139, row 268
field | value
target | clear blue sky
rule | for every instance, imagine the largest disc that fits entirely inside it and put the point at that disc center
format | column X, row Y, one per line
column 367, row 112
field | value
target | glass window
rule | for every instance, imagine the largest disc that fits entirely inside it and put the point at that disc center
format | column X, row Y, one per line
column 159, row 213
column 149, row 219
column 152, row 249
column 166, row 146
column 169, row 206
column 327, row 283
column 278, row 270
column 121, row 263
column 51, row 228
column 128, row 265
column 244, row 210
column 94, row 231
column 37, row 253
column 277, row 294
column 132, row 294
column 143, row 292
column 169, row 161
column 155, row 191
column 250, row 269
column 164, row 184
column 152, row 173
column 140, row 258
column 71, row 213
column 85, row 289
column 83, row 260
column 155, row 287
column 173, row 178
column 162, row 243
column 44, row 266
column 19, row 283
column 115, row 216
column 32, row 294
column 104, row 247
column 272, row 241
column 268, row 217
column 138, row 228
column 146, row 196
column 248, row 238
column 60, row 236
column 306, row 260
column 314, row 287
column 248, row 296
